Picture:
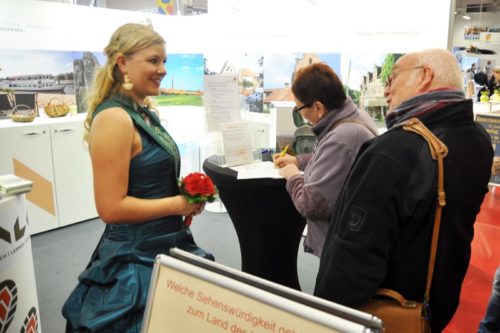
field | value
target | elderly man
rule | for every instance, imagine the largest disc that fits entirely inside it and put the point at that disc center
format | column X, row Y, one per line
column 380, row 230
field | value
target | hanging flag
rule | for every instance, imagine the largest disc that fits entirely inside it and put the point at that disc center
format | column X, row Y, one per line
column 165, row 7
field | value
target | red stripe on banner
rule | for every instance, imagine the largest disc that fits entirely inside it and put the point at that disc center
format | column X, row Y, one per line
column 3, row 312
column 5, row 296
column 31, row 327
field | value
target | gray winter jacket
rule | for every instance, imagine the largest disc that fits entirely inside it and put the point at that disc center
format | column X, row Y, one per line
column 315, row 192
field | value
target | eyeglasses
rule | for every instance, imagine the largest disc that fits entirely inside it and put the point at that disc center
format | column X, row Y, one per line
column 393, row 75
column 296, row 109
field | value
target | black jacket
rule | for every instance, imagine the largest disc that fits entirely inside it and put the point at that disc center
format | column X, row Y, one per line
column 380, row 230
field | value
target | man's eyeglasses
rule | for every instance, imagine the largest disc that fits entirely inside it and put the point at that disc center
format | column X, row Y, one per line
column 393, row 75
column 296, row 109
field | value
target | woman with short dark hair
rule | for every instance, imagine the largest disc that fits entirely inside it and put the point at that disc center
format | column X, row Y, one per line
column 341, row 128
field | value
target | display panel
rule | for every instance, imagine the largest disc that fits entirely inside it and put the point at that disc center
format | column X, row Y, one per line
column 190, row 294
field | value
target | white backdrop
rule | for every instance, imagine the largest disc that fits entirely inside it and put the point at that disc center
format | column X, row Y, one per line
column 238, row 25
column 231, row 27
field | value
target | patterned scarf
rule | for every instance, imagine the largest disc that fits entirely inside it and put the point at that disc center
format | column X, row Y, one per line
column 422, row 104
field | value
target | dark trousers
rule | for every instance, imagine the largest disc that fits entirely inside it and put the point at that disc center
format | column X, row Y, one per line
column 491, row 320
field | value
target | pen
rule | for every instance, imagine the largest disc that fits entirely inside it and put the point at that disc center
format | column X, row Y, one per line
column 283, row 152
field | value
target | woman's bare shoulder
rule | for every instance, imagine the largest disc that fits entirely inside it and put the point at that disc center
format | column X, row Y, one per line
column 112, row 122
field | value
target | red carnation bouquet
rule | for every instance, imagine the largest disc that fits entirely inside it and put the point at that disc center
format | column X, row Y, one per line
column 197, row 187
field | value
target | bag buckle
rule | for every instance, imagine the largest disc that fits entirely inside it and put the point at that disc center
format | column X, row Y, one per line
column 426, row 311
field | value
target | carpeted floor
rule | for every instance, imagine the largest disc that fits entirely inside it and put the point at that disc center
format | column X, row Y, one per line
column 485, row 259
column 60, row 255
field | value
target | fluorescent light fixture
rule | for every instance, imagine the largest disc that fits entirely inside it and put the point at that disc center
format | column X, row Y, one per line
column 466, row 17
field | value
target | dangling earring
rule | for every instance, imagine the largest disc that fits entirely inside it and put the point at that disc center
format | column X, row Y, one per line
column 127, row 85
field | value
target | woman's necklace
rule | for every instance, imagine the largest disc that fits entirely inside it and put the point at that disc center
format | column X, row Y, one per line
column 140, row 110
column 146, row 118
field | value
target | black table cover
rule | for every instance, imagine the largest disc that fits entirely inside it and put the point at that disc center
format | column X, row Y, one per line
column 268, row 226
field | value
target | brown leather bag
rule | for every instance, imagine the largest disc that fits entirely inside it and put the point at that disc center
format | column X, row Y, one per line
column 397, row 313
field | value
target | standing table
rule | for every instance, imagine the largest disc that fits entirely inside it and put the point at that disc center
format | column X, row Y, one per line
column 268, row 226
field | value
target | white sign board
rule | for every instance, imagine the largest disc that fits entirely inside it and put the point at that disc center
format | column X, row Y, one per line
column 187, row 298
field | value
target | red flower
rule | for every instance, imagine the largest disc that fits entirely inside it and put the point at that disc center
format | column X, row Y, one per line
column 197, row 187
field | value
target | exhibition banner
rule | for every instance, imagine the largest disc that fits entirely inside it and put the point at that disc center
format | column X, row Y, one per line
column 19, row 310
column 491, row 122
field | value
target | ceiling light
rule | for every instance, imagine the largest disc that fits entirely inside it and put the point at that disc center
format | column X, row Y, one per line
column 466, row 17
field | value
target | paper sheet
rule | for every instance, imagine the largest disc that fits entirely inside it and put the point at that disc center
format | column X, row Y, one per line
column 221, row 100
column 237, row 142
column 257, row 170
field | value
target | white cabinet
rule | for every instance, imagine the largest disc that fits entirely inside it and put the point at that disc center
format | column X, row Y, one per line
column 50, row 152
column 73, row 173
column 26, row 151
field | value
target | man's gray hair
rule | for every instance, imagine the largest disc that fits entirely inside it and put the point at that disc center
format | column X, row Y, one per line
column 447, row 72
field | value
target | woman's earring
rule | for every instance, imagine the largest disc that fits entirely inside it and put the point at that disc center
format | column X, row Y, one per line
column 127, row 85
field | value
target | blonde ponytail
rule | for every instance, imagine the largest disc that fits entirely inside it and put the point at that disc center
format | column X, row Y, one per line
column 126, row 40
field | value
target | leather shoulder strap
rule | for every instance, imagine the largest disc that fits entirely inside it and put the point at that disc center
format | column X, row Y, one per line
column 396, row 296
column 438, row 151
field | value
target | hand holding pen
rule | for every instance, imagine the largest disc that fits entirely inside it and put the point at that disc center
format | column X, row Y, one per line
column 283, row 152
column 282, row 159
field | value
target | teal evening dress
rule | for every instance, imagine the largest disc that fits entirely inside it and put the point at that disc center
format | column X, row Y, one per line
column 112, row 291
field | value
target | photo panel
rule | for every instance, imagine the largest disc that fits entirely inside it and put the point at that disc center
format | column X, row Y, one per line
column 183, row 84
column 32, row 79
column 85, row 64
column 364, row 77
column 279, row 73
column 279, row 70
column 249, row 69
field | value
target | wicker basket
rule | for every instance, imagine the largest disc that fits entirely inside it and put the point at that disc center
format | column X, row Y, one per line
column 56, row 110
column 22, row 113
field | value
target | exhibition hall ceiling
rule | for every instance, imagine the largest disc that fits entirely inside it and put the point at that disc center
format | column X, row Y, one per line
column 134, row 5
column 473, row 6
column 463, row 3
column 476, row 6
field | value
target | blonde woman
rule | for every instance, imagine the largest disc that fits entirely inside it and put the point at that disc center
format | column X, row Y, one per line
column 135, row 165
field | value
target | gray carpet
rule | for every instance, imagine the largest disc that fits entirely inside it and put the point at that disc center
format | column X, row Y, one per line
column 60, row 255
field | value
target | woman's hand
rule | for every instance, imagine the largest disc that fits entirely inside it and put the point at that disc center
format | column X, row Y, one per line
column 289, row 170
column 280, row 162
column 200, row 209
column 187, row 209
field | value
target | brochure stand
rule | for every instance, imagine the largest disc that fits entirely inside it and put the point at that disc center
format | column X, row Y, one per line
column 214, row 147
column 491, row 123
column 19, row 311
